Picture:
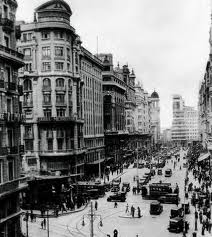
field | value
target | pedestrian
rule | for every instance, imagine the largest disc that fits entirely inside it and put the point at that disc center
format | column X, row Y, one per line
column 139, row 212
column 127, row 208
column 44, row 223
column 41, row 224
column 209, row 225
column 132, row 211
column 96, row 205
column 115, row 205
column 115, row 233
column 31, row 216
column 203, row 229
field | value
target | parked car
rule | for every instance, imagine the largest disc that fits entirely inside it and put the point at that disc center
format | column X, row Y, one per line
column 176, row 212
column 176, row 225
column 172, row 198
column 160, row 172
column 125, row 186
column 168, row 173
column 118, row 197
column 115, row 188
column 155, row 208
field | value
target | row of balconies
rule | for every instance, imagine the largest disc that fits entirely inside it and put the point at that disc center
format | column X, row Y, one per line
column 11, row 87
column 13, row 185
column 12, row 117
column 11, row 150
column 57, row 88
column 9, row 24
column 57, row 119
column 11, row 52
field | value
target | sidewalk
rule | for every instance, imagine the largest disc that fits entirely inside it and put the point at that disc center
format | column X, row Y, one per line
column 190, row 218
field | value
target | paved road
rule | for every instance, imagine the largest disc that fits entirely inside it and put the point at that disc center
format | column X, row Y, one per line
column 113, row 217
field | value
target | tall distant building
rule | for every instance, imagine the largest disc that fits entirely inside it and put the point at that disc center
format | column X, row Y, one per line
column 155, row 118
column 53, row 92
column 10, row 120
column 185, row 122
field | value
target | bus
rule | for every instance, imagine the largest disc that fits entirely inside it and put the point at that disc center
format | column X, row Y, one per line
column 168, row 173
column 159, row 189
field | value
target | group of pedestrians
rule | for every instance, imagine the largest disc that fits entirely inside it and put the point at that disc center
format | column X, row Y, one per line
column 132, row 211
column 200, row 192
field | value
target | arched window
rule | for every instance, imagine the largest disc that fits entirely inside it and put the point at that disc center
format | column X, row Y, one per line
column 27, row 85
column 60, row 82
column 46, row 82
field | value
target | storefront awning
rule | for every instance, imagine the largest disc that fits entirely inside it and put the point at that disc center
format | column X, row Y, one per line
column 203, row 157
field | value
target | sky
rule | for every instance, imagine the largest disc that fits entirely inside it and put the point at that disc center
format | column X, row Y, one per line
column 166, row 42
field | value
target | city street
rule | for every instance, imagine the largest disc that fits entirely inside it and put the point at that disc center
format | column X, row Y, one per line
column 115, row 218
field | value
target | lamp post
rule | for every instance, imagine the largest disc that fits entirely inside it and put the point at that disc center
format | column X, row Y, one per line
column 91, row 216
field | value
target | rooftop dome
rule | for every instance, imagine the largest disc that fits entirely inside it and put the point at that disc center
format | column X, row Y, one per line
column 155, row 95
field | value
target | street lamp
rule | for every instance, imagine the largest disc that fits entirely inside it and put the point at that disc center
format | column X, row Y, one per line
column 91, row 216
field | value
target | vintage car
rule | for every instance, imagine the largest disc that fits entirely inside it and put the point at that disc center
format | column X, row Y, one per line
column 155, row 208
column 115, row 188
column 171, row 198
column 186, row 207
column 168, row 173
column 176, row 212
column 118, row 197
column 125, row 187
column 176, row 225
column 160, row 172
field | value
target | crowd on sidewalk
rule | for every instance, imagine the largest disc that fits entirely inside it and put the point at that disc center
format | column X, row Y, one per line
column 198, row 188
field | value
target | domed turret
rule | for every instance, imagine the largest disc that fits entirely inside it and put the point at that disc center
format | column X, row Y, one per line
column 155, row 95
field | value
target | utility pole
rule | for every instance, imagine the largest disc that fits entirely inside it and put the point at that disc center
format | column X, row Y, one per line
column 48, row 222
column 92, row 219
column 99, row 166
column 27, row 226
column 137, row 163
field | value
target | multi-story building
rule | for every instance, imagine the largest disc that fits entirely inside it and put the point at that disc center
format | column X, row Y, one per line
column 91, row 73
column 167, row 136
column 10, row 119
column 205, row 100
column 185, row 122
column 179, row 129
column 114, row 92
column 52, row 92
column 155, row 118
column 191, row 122
column 142, row 110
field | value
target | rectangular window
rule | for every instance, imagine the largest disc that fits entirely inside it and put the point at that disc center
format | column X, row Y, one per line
column 59, row 144
column 47, row 113
column 28, row 131
column 28, row 67
column 60, row 112
column 29, row 145
column 47, row 98
column 60, row 98
column 50, row 144
column 59, row 66
column 58, row 51
column 11, row 170
column 45, row 35
column 68, row 54
column 27, row 52
column 1, row 171
column 24, row 37
column 46, row 66
column 58, row 35
column 46, row 53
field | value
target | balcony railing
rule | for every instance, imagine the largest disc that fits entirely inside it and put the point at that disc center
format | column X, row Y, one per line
column 11, row 52
column 60, row 88
column 12, row 118
column 56, row 119
column 27, row 104
column 46, row 88
column 61, row 103
column 28, row 136
column 13, row 185
column 47, row 103
column 11, row 150
column 7, row 23
column 11, row 86
column 56, row 151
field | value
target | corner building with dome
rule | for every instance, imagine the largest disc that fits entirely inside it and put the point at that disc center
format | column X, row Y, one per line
column 58, row 73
